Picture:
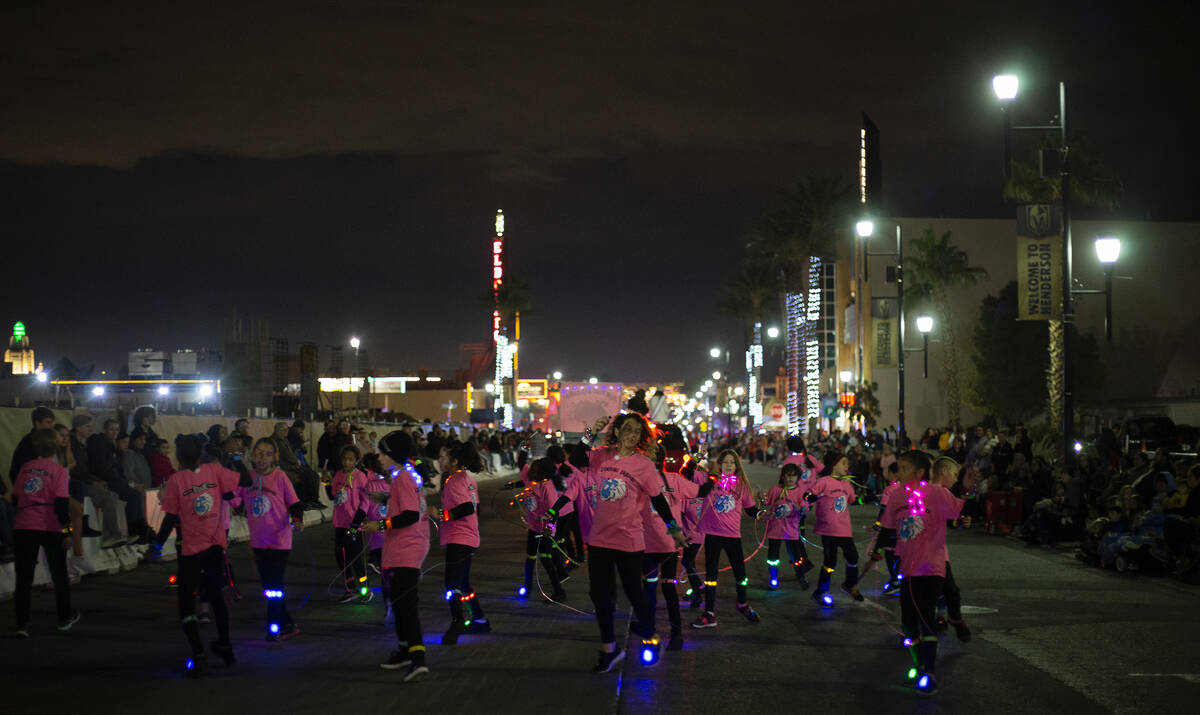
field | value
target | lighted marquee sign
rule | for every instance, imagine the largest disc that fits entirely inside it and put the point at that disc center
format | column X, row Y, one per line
column 533, row 389
column 795, row 319
column 812, row 346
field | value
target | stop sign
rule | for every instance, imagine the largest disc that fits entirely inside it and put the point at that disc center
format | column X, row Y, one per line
column 776, row 411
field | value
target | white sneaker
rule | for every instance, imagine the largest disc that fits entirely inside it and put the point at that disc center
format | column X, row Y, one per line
column 80, row 565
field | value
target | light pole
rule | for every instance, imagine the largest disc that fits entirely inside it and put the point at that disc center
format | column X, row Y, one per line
column 924, row 325
column 846, row 376
column 865, row 229
column 1006, row 87
column 354, row 343
column 1108, row 250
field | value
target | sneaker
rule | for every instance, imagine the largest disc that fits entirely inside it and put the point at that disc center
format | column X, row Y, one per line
column 926, row 684
column 223, row 650
column 559, row 596
column 706, row 620
column 415, row 673
column 111, row 543
column 456, row 629
column 196, row 666
column 65, row 625
column 853, row 592
column 348, row 597
column 961, row 630
column 367, row 597
column 398, row 659
column 479, row 626
column 676, row 641
column 748, row 612
column 608, row 660
column 22, row 631
column 289, row 630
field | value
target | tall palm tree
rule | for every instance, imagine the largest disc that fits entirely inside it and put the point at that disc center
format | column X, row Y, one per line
column 746, row 295
column 932, row 267
column 1092, row 184
column 514, row 299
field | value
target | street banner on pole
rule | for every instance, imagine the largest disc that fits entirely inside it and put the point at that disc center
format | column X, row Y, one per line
column 885, row 332
column 1039, row 262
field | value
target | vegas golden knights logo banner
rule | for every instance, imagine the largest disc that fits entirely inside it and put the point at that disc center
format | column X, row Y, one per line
column 1039, row 262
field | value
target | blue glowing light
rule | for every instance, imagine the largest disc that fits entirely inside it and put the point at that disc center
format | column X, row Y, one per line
column 647, row 656
column 274, row 628
column 899, row 577
column 908, row 642
column 522, row 591
column 190, row 665
column 887, row 586
column 449, row 594
column 827, row 600
column 923, row 683
column 774, row 582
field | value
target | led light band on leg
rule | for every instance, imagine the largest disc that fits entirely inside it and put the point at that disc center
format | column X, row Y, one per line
column 522, row 591
column 912, row 673
column 191, row 664
column 908, row 642
column 650, row 650
column 362, row 585
column 172, row 579
column 827, row 599
column 274, row 628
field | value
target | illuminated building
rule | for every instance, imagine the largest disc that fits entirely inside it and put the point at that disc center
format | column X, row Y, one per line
column 19, row 355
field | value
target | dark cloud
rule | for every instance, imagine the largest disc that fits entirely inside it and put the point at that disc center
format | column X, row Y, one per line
column 333, row 166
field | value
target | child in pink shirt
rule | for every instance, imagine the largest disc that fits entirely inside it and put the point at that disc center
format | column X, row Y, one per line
column 545, row 488
column 810, row 468
column 375, row 498
column 921, row 546
column 833, row 495
column 40, row 495
column 272, row 509
column 405, row 546
column 459, row 535
column 721, row 525
column 891, row 503
column 346, row 490
column 785, row 509
column 192, row 500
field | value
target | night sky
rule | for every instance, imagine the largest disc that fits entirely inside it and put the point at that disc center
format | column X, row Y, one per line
column 333, row 167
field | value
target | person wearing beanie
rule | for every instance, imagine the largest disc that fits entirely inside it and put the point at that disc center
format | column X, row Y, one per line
column 405, row 546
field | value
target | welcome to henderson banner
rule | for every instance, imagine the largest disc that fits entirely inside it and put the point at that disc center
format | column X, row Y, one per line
column 1039, row 262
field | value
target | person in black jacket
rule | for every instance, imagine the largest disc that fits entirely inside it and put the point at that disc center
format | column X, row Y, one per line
column 105, row 460
column 92, row 485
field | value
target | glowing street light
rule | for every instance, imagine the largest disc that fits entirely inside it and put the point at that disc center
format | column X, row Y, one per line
column 592, row 381
column 714, row 353
column 489, row 388
column 206, row 391
column 42, row 376
column 924, row 323
column 558, row 374
column 772, row 332
column 1005, row 86
column 924, row 326
column 164, row 390
column 864, row 228
column 716, row 374
column 98, row 391
column 1108, row 250
column 355, row 342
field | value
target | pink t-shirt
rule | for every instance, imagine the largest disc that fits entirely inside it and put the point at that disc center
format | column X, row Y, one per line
column 723, row 507
column 569, row 507
column 195, row 497
column 38, row 484
column 375, row 510
column 624, row 488
column 658, row 541
column 582, row 492
column 807, row 475
column 460, row 488
column 833, row 507
column 534, row 505
column 893, row 502
column 692, row 509
column 921, row 533
column 267, row 502
column 784, row 508
column 407, row 546
column 347, row 497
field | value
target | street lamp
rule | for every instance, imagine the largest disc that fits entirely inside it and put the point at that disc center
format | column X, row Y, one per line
column 772, row 332
column 716, row 374
column 924, row 325
column 1006, row 87
column 163, row 390
column 592, row 381
column 865, row 229
column 98, row 391
column 558, row 374
column 42, row 376
column 714, row 353
column 1108, row 250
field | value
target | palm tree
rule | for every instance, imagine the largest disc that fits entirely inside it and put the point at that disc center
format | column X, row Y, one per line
column 933, row 267
column 514, row 299
column 807, row 221
column 1092, row 184
column 746, row 294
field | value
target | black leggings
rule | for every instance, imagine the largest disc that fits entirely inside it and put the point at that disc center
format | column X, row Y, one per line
column 540, row 546
column 732, row 546
column 272, row 563
column 660, row 569
column 25, row 545
column 572, row 537
column 347, row 549
column 953, row 596
column 918, row 607
column 831, row 544
column 405, row 608
column 458, row 582
column 795, row 551
column 604, row 565
column 203, row 571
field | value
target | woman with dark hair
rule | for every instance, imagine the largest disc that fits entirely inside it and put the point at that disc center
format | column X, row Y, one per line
column 144, row 418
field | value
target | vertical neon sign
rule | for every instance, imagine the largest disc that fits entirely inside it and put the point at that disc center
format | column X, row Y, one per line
column 499, row 340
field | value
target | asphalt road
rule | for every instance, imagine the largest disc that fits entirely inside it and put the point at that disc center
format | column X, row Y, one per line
column 1051, row 635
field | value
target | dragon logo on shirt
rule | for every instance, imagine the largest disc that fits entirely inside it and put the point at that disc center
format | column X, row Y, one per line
column 383, row 511
column 531, row 503
column 202, row 504
column 259, row 506
column 33, row 485
column 910, row 527
column 839, row 504
column 724, row 503
column 697, row 507
column 783, row 511
column 340, row 498
column 612, row 489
